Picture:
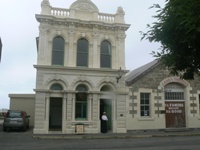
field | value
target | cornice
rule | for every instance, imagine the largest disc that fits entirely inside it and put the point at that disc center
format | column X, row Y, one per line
column 52, row 20
column 78, row 69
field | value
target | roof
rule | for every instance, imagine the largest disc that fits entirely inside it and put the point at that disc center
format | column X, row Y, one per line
column 136, row 74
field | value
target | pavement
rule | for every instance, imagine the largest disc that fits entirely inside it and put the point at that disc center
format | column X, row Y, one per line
column 128, row 135
column 175, row 132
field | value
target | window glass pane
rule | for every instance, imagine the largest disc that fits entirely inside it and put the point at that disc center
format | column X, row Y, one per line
column 81, row 106
column 145, row 104
column 82, row 59
column 82, row 45
column 57, row 58
column 174, row 96
column 81, row 88
column 81, row 110
column 106, row 88
column 105, row 54
column 105, row 48
column 58, row 43
column 56, row 87
column 58, row 51
column 82, row 52
column 105, row 61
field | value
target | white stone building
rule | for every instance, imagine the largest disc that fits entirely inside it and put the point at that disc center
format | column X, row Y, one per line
column 80, row 52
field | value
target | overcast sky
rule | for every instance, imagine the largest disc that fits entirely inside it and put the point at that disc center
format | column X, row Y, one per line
column 18, row 29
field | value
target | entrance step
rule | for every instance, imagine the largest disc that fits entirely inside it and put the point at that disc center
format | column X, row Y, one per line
column 177, row 130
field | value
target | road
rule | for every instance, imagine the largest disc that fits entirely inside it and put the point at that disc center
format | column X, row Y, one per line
column 17, row 140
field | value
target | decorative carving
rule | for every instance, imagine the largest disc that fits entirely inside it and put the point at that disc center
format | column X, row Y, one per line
column 85, row 6
column 44, row 30
column 71, row 33
column 107, row 80
column 95, row 34
column 83, row 34
column 45, row 2
column 84, row 79
column 57, row 78
column 121, row 36
column 120, row 10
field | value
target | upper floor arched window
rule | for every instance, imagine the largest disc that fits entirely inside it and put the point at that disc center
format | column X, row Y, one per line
column 56, row 87
column 82, row 52
column 58, row 51
column 105, row 54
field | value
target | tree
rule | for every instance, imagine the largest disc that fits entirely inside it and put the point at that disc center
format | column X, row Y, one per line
column 178, row 30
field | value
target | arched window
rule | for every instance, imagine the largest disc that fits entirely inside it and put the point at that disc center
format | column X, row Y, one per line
column 106, row 88
column 82, row 53
column 81, row 102
column 105, row 54
column 58, row 51
column 174, row 91
column 56, row 87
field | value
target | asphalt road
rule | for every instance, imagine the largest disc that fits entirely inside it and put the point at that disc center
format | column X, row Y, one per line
column 18, row 140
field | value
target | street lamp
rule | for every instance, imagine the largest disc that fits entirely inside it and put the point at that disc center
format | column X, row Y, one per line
column 120, row 73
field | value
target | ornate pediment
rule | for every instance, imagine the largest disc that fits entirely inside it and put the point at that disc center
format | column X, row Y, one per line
column 84, row 5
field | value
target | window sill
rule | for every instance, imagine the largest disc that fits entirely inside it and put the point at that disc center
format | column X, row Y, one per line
column 84, row 122
column 146, row 119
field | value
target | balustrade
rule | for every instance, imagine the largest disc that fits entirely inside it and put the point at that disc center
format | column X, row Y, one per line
column 106, row 17
column 60, row 12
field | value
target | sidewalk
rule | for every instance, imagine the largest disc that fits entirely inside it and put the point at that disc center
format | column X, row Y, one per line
column 136, row 134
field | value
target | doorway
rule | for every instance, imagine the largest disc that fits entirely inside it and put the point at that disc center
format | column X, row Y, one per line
column 106, row 106
column 175, row 114
column 55, row 114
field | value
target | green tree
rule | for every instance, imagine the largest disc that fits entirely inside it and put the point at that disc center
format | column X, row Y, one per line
column 177, row 28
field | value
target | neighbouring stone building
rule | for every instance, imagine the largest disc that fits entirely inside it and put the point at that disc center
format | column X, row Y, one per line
column 160, row 101
column 80, row 52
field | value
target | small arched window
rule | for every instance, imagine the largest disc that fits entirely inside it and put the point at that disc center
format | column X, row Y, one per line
column 58, row 51
column 82, row 52
column 81, row 102
column 106, row 88
column 105, row 54
column 174, row 91
column 56, row 87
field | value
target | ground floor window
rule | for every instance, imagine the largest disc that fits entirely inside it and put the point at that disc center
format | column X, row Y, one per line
column 144, row 104
column 81, row 103
column 81, row 106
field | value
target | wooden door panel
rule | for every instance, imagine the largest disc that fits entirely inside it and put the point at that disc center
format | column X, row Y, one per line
column 175, row 114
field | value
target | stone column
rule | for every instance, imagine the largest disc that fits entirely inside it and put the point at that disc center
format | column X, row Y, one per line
column 96, row 52
column 73, row 106
column 89, row 108
column 43, row 45
column 64, row 106
column 71, row 56
column 47, row 102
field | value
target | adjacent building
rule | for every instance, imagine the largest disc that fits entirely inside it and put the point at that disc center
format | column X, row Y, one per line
column 160, row 101
column 0, row 49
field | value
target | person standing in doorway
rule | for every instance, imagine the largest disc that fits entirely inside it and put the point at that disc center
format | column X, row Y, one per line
column 104, row 120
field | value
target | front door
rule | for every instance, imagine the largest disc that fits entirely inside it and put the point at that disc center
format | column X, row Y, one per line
column 55, row 114
column 106, row 106
column 175, row 114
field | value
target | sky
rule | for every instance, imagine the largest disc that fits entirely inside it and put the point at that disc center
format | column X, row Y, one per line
column 19, row 28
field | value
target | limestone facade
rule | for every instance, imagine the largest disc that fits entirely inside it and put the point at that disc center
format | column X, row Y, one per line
column 81, row 21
